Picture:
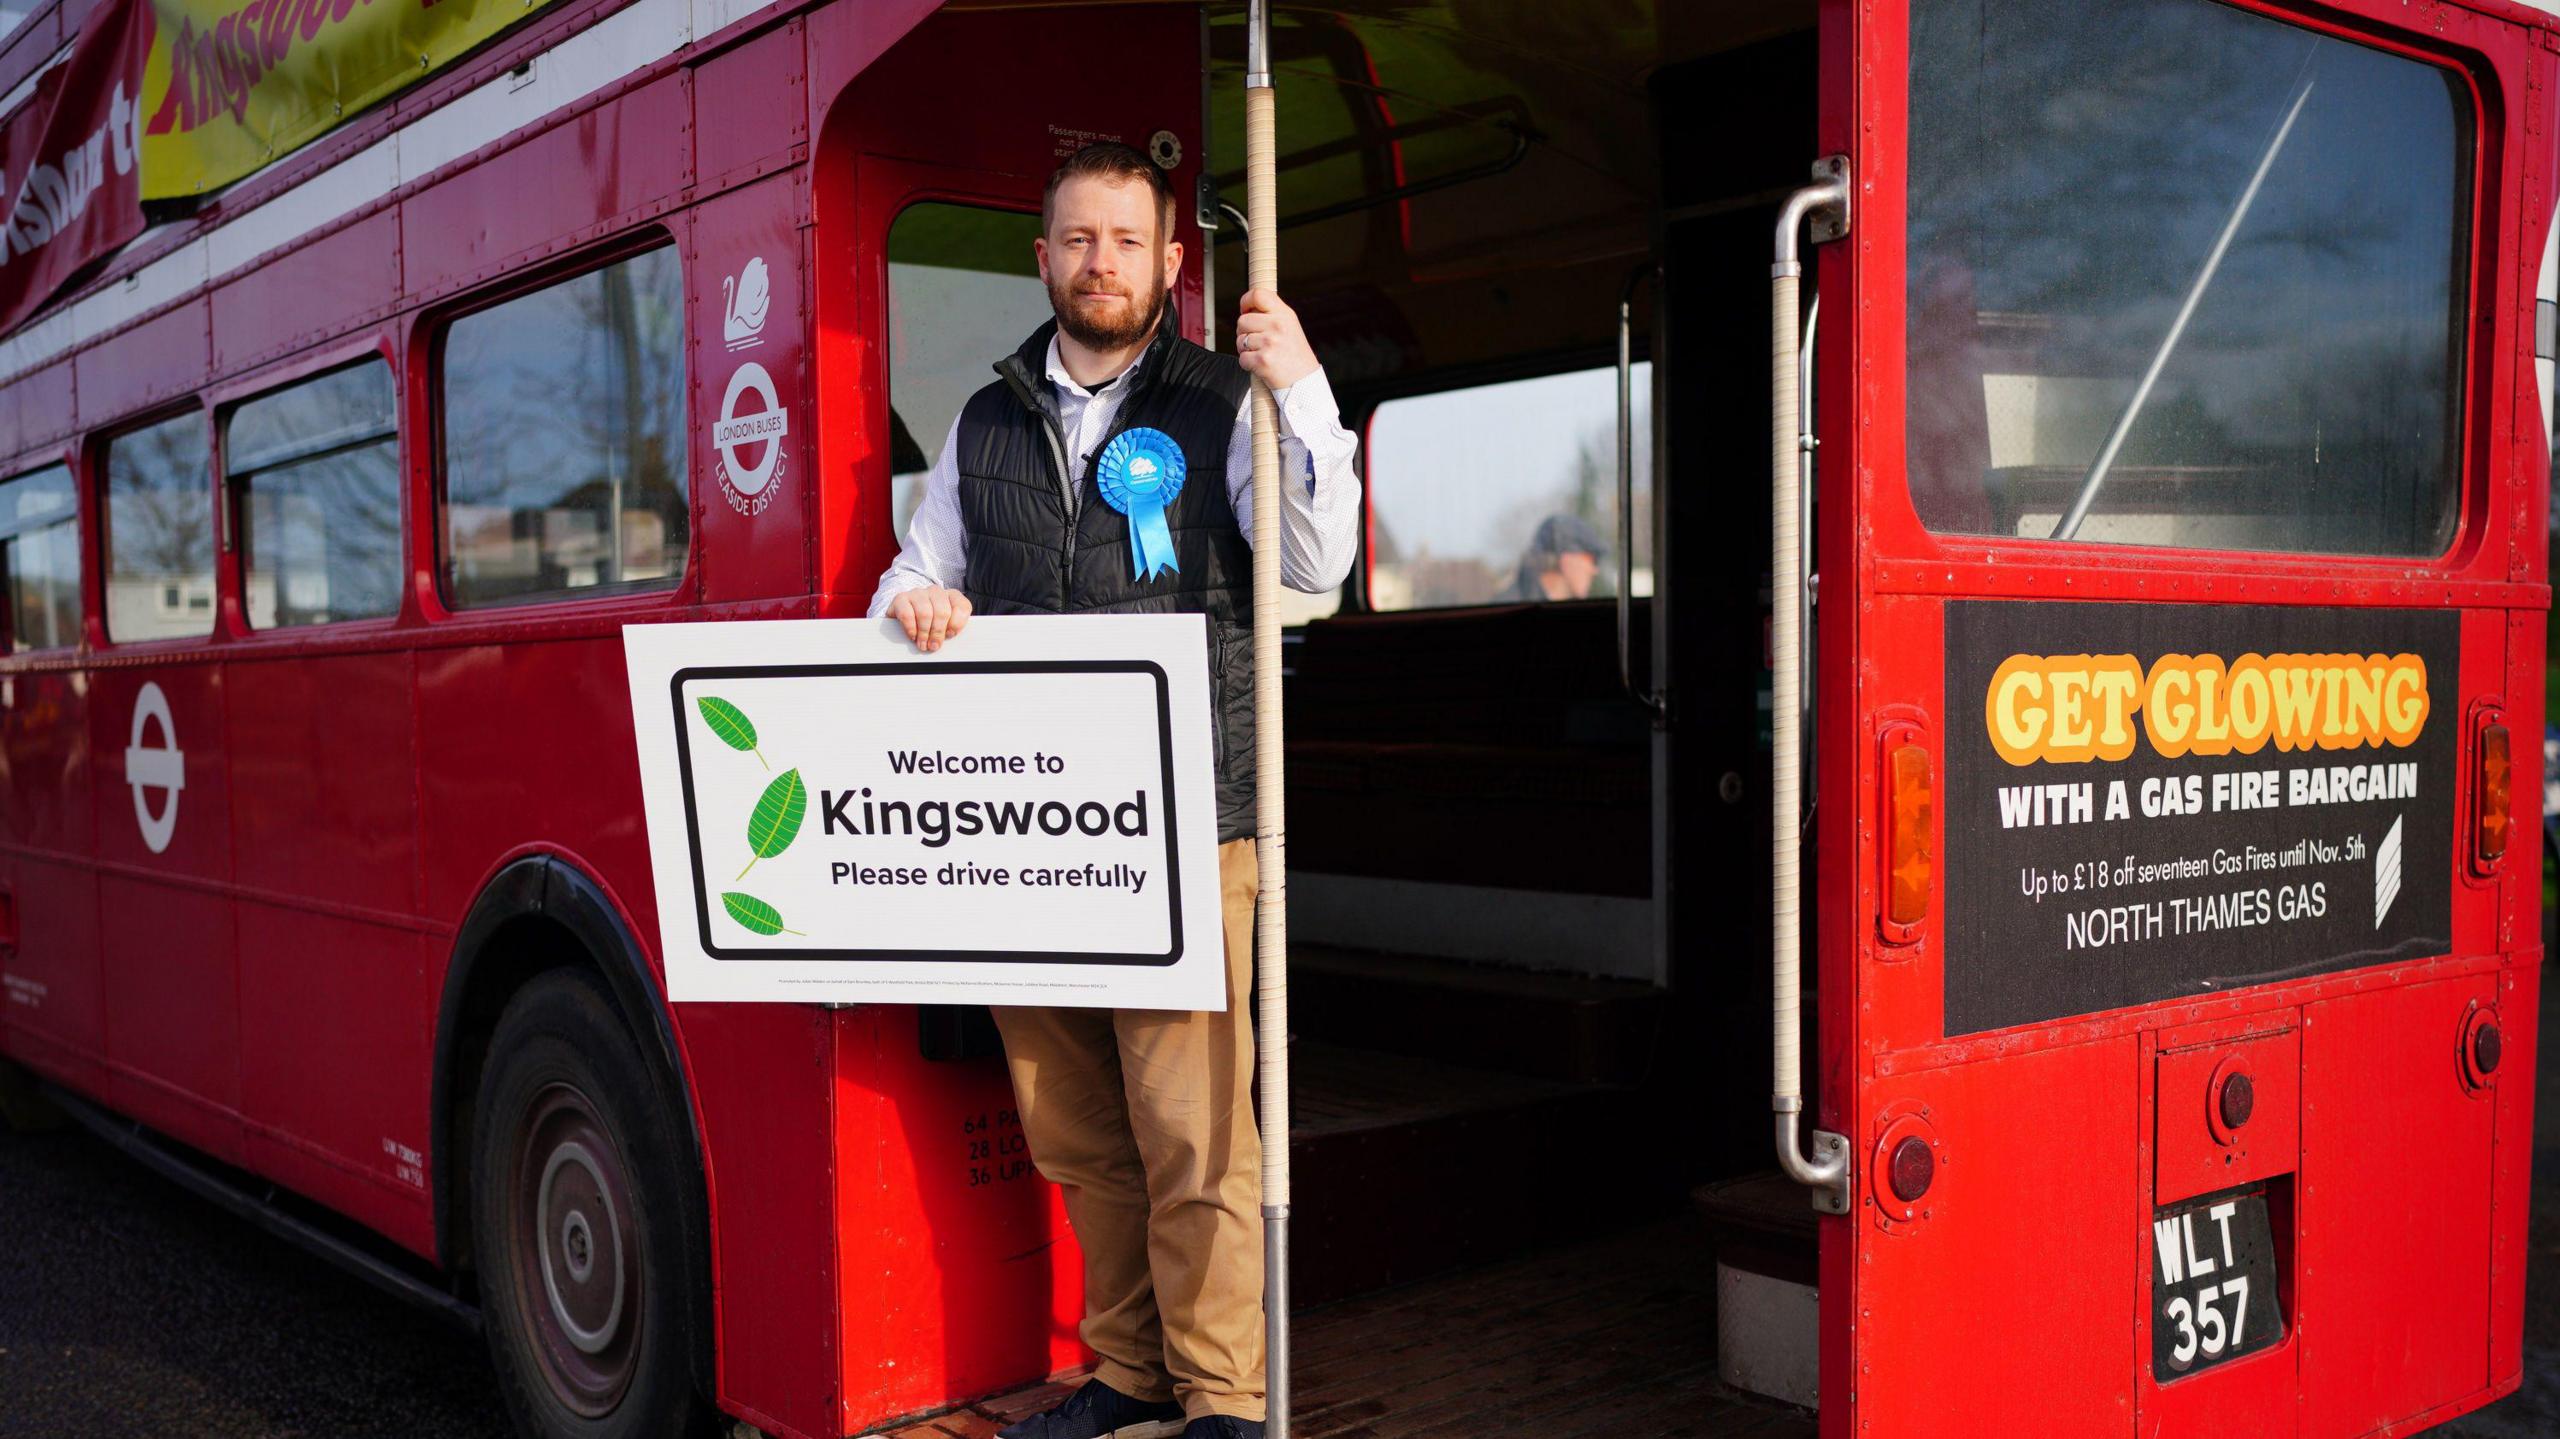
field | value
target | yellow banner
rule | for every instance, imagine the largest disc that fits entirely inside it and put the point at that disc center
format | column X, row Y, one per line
column 235, row 85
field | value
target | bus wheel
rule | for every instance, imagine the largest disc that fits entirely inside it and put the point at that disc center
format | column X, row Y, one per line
column 584, row 1289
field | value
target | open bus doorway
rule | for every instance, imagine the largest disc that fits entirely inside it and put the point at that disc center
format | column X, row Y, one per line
column 1528, row 854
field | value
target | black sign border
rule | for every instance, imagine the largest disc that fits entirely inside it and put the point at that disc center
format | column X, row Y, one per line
column 1164, row 747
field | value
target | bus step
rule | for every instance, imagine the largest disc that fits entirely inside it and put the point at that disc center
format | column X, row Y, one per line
column 1767, row 1315
column 1408, row 1167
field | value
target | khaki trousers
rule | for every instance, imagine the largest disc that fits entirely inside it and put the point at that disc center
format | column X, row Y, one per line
column 1145, row 1118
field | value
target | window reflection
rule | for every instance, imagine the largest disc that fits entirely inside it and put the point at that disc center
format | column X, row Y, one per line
column 564, row 439
column 317, row 467
column 1505, row 494
column 160, row 533
column 40, row 559
column 2071, row 168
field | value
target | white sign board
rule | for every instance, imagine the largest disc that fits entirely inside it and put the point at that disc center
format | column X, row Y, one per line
column 1026, row 817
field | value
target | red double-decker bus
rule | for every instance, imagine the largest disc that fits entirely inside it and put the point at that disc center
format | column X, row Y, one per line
column 2111, row 555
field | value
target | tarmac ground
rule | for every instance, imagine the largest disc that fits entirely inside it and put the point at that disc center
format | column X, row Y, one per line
column 132, row 1309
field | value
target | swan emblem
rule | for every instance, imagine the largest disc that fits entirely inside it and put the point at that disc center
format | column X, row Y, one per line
column 746, row 297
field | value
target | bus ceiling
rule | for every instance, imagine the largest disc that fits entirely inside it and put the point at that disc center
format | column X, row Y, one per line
column 1463, row 185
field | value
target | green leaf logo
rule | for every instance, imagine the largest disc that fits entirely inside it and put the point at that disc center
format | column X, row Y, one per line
column 731, row 724
column 754, row 913
column 776, row 822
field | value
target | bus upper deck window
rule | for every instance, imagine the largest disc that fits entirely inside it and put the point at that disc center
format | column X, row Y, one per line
column 1505, row 493
column 40, row 559
column 160, row 532
column 2072, row 169
column 317, row 470
column 562, row 423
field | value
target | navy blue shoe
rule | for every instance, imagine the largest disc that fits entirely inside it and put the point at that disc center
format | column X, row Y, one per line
column 1223, row 1426
column 1098, row 1411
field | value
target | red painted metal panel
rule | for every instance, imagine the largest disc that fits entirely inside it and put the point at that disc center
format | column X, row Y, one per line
column 2194, row 1151
column 750, row 107
column 2511, row 1173
column 36, row 408
column 324, row 825
column 155, row 361
column 512, row 754
column 960, row 1277
column 322, row 756
column 52, row 1012
column 622, row 159
column 333, row 1058
column 2006, row 1307
column 333, row 283
column 751, row 497
column 166, row 926
column 762, row 1081
column 2395, row 1196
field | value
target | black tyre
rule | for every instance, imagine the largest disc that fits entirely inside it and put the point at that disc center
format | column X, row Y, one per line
column 591, row 1307
column 23, row 1110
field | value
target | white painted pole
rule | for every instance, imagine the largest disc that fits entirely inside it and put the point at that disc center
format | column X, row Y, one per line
column 1271, row 845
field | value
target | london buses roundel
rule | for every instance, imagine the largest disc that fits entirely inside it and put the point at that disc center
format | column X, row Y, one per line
column 752, row 423
column 156, row 771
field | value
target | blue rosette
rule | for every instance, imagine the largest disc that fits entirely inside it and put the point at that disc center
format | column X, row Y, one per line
column 1140, row 473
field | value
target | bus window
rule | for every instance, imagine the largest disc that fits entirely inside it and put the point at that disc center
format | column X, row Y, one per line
column 40, row 556
column 963, row 292
column 159, row 533
column 1496, row 494
column 562, row 422
column 2311, row 400
column 317, row 471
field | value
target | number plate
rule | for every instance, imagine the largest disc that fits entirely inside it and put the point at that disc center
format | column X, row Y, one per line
column 2213, row 1282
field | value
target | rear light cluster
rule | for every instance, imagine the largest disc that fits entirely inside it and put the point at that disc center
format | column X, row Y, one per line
column 2494, row 794
column 1911, row 814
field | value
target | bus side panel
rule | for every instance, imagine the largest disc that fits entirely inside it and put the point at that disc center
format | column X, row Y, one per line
column 166, row 919
column 2012, row 1297
column 960, row 1275
column 761, row 1085
column 742, row 282
column 52, row 1000
column 334, row 1065
column 2510, row 1237
column 2395, row 1209
column 623, row 157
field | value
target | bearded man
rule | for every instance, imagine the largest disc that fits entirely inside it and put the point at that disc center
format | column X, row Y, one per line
column 1144, row 1117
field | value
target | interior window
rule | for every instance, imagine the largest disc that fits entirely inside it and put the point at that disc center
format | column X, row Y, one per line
column 159, row 533
column 40, row 559
column 316, row 468
column 1506, row 493
column 964, row 292
column 2073, row 344
column 562, row 422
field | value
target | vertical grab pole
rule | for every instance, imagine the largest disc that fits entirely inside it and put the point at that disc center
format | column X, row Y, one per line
column 1271, row 829
column 1826, row 1173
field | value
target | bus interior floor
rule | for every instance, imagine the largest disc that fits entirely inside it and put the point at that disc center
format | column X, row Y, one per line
column 1606, row 1338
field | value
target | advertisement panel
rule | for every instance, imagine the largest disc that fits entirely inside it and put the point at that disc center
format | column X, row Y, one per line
column 68, row 162
column 1024, row 817
column 2149, row 802
column 234, row 85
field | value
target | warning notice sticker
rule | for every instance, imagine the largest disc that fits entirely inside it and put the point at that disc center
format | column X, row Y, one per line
column 2150, row 801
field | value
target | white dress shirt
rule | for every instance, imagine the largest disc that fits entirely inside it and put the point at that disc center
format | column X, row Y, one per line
column 1319, row 508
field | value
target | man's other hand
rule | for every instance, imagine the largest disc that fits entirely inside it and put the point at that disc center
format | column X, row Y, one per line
column 930, row 615
column 1269, row 342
